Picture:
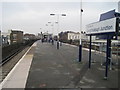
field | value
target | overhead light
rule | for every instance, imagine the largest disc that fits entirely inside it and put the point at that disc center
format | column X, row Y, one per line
column 52, row 14
column 63, row 14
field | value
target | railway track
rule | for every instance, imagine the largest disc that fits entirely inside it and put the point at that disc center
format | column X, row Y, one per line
column 7, row 67
column 8, row 58
column 13, row 54
column 10, row 61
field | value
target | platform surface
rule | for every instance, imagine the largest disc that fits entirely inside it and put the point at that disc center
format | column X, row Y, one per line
column 44, row 66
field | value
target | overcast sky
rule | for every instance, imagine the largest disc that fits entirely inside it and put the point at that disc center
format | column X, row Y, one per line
column 32, row 17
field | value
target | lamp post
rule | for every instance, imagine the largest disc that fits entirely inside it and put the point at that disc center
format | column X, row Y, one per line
column 58, row 15
column 52, row 24
column 41, row 35
column 47, row 34
column 80, row 45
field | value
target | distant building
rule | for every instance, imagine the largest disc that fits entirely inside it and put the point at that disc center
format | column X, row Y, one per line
column 47, row 36
column 63, row 36
column 29, row 36
column 40, row 35
column 12, row 36
column 73, row 36
column 16, row 36
column 5, row 38
column 69, row 35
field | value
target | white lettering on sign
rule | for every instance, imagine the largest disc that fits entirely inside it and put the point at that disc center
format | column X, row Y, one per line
column 105, row 26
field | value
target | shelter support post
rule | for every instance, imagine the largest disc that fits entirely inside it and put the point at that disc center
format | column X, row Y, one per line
column 90, row 45
column 57, row 44
column 108, row 55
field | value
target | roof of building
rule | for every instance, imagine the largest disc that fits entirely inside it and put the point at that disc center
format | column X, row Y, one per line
column 29, row 34
column 109, row 15
column 16, row 30
column 69, row 32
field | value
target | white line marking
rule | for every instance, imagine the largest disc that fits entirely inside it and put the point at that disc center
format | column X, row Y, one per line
column 70, row 45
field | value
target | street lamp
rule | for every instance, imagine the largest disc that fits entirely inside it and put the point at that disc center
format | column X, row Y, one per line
column 41, row 35
column 48, row 34
column 80, row 45
column 58, row 15
column 52, row 24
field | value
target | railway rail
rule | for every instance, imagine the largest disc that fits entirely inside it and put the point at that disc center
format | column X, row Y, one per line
column 10, row 61
column 5, row 60
column 14, row 53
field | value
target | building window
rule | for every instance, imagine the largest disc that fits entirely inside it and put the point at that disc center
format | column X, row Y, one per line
column 14, row 36
column 72, row 37
column 75, row 37
column 69, row 37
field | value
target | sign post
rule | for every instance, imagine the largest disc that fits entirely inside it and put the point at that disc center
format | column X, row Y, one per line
column 90, row 52
column 107, row 27
column 108, row 55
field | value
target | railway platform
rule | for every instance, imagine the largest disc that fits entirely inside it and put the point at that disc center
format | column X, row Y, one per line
column 44, row 66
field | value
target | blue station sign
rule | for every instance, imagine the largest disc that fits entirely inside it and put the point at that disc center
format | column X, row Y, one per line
column 101, row 27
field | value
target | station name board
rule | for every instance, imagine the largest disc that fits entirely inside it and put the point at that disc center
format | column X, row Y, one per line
column 106, row 26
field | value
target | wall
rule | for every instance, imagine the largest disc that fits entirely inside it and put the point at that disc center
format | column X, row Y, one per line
column 73, row 36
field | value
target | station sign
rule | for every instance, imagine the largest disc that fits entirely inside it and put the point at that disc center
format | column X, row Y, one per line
column 101, row 27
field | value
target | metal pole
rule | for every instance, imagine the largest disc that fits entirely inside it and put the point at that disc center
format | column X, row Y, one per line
column 111, row 59
column 108, row 51
column 100, row 50
column 90, row 52
column 53, row 34
column 93, row 60
column 117, row 54
column 57, row 31
column 80, row 46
